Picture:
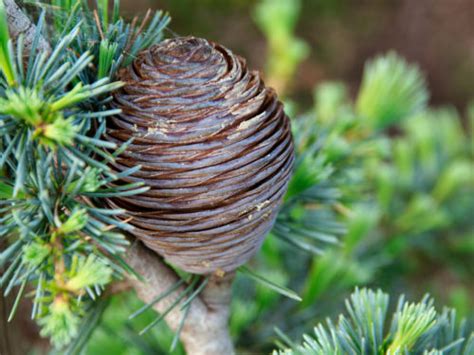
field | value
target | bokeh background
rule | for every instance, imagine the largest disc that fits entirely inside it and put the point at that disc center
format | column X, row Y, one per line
column 410, row 230
column 341, row 35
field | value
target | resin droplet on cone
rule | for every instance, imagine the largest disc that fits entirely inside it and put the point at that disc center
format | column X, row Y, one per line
column 215, row 148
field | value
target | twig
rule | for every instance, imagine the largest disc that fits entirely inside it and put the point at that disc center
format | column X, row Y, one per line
column 20, row 24
column 205, row 329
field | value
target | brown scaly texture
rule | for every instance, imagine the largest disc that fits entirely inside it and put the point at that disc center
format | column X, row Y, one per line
column 215, row 147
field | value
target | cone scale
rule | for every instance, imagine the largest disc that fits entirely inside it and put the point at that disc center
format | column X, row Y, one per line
column 214, row 146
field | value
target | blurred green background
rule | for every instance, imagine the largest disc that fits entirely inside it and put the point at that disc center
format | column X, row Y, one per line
column 396, row 166
column 341, row 35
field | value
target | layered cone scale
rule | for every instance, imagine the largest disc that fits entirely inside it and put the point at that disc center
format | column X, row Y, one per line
column 215, row 149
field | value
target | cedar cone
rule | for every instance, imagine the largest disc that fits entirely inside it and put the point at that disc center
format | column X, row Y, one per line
column 215, row 148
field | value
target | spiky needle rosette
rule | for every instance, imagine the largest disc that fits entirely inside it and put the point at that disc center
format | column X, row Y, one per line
column 215, row 147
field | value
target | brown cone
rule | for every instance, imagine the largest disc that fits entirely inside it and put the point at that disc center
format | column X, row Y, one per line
column 215, row 147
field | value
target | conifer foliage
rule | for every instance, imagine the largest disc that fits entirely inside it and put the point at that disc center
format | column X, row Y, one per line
column 413, row 328
column 61, row 246
column 53, row 166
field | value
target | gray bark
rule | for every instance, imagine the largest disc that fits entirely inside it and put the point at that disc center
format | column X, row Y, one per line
column 205, row 329
column 20, row 24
